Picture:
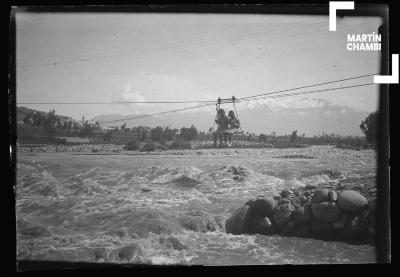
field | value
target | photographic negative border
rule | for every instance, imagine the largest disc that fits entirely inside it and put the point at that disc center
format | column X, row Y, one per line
column 383, row 188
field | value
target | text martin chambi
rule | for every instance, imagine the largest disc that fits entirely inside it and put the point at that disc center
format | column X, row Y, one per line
column 363, row 42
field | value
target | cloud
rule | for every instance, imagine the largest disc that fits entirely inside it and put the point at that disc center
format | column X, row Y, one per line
column 144, row 87
column 129, row 95
column 278, row 104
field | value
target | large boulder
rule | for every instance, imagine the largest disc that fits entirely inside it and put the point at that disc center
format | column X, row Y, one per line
column 282, row 214
column 287, row 229
column 277, row 197
column 240, row 221
column 284, row 201
column 301, row 231
column 286, row 192
column 263, row 206
column 250, row 202
column 304, row 200
column 302, row 215
column 263, row 226
column 332, row 195
column 297, row 192
column 355, row 228
column 295, row 201
column 320, row 195
column 351, row 201
column 311, row 186
column 323, row 230
column 341, row 222
column 325, row 211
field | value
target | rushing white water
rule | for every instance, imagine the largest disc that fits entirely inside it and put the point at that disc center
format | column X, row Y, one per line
column 170, row 207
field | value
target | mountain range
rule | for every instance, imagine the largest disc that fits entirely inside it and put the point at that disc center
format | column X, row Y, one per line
column 310, row 116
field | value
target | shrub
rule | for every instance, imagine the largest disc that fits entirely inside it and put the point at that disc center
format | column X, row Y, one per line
column 107, row 136
column 148, row 147
column 369, row 127
column 262, row 138
column 181, row 144
column 132, row 145
column 49, row 124
column 156, row 133
column 168, row 133
column 189, row 133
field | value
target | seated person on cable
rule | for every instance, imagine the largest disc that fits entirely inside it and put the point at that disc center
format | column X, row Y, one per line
column 233, row 122
column 222, row 121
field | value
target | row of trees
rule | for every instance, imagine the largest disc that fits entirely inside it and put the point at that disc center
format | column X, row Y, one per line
column 159, row 133
column 53, row 124
column 272, row 137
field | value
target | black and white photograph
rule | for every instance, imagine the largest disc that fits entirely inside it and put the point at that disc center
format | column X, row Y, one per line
column 147, row 137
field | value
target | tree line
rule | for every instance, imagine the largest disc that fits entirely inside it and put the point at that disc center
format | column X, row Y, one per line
column 51, row 124
column 156, row 134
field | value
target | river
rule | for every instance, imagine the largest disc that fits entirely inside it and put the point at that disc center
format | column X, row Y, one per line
column 170, row 207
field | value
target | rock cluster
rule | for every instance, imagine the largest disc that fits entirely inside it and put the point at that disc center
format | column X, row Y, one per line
column 309, row 212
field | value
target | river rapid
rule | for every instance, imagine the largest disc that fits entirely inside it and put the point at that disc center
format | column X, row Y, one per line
column 170, row 207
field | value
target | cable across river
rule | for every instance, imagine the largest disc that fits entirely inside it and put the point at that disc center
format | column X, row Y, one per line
column 206, row 103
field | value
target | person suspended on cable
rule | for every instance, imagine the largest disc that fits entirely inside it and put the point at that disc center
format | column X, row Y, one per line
column 233, row 125
column 223, row 125
column 222, row 120
column 233, row 121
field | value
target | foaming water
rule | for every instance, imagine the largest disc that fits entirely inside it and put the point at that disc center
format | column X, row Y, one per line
column 171, row 209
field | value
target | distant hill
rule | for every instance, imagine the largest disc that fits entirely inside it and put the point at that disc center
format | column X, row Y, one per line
column 22, row 112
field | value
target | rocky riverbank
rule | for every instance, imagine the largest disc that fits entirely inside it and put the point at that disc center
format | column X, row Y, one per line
column 318, row 212
column 87, row 148
column 142, row 146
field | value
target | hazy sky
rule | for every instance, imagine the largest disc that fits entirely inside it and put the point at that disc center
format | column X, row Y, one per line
column 65, row 57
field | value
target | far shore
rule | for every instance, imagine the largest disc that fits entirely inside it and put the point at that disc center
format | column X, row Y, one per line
column 120, row 148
